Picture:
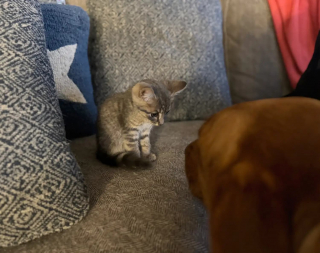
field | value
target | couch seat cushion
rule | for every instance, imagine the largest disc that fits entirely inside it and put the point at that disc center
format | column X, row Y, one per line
column 135, row 211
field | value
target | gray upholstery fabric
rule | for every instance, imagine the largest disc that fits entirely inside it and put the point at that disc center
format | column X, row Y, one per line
column 48, row 1
column 135, row 211
column 254, row 65
column 181, row 39
column 41, row 185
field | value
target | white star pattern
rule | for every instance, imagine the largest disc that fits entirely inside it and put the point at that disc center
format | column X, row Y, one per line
column 61, row 60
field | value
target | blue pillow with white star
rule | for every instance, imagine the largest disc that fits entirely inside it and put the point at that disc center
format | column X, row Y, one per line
column 67, row 33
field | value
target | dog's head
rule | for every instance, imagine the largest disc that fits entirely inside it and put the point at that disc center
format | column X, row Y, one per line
column 192, row 167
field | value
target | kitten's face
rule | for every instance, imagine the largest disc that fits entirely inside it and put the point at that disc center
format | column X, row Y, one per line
column 154, row 98
column 156, row 116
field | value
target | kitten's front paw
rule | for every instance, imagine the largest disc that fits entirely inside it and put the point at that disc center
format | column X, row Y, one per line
column 151, row 157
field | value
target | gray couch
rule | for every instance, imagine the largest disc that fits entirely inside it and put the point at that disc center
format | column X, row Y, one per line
column 152, row 210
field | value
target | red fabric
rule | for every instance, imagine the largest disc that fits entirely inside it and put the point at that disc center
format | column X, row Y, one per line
column 297, row 23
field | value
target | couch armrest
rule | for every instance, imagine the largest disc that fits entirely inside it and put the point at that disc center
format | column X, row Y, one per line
column 254, row 65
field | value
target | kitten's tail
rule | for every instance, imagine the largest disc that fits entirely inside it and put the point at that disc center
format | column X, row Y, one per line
column 127, row 159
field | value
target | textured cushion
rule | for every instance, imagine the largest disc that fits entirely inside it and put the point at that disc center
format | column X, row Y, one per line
column 254, row 65
column 47, row 1
column 52, row 1
column 67, row 32
column 180, row 39
column 135, row 211
column 41, row 186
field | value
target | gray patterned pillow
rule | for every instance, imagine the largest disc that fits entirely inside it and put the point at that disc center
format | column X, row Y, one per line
column 181, row 39
column 41, row 185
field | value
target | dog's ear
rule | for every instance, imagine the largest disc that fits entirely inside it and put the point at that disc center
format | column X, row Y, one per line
column 192, row 164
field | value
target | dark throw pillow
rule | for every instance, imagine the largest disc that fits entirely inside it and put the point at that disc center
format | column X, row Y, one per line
column 67, row 32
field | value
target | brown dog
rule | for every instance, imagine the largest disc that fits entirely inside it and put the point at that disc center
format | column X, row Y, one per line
column 256, row 166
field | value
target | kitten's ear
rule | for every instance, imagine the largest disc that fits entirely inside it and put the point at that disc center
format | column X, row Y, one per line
column 143, row 92
column 176, row 86
column 146, row 94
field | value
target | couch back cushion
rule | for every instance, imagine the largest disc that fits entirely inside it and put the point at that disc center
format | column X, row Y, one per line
column 254, row 65
column 134, row 40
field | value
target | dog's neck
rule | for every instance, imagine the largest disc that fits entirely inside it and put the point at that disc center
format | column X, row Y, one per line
column 311, row 243
column 306, row 225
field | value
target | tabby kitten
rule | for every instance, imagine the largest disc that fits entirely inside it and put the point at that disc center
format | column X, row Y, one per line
column 126, row 119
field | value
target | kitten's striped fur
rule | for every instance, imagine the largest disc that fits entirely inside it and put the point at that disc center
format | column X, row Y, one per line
column 125, row 121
